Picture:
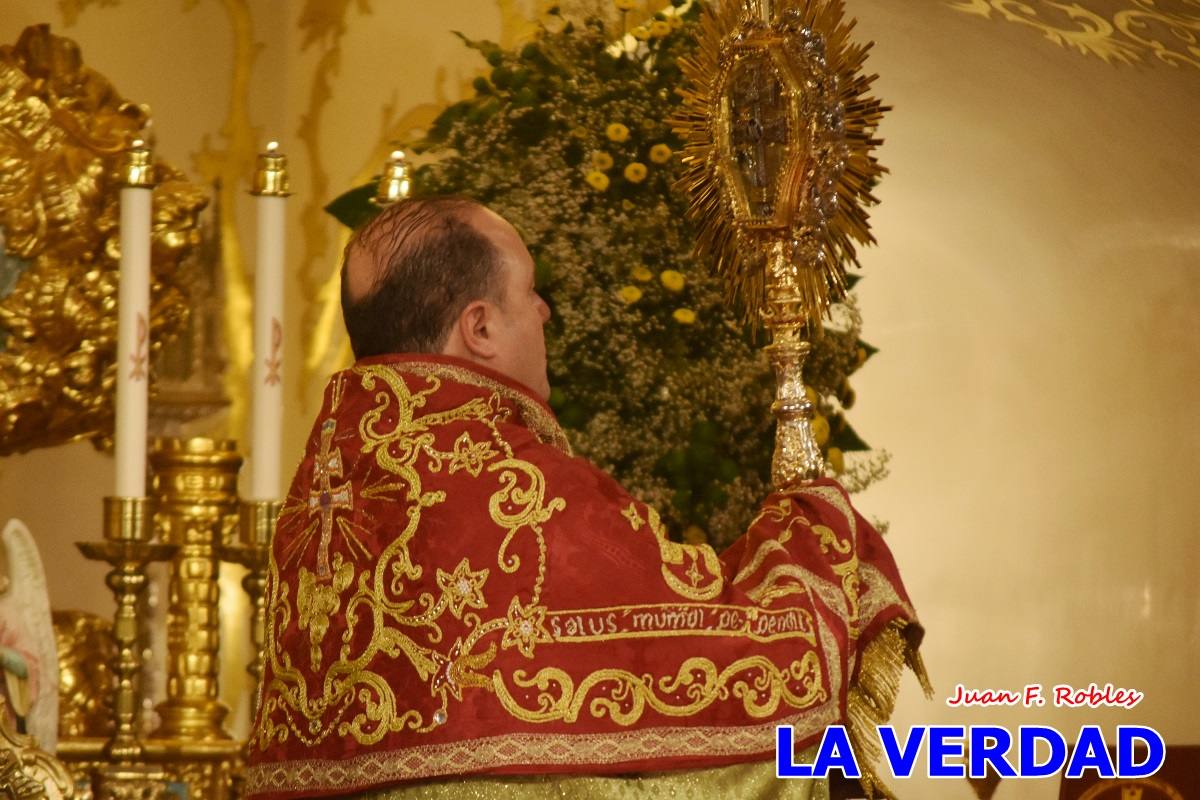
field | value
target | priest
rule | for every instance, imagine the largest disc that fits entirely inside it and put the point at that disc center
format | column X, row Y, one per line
column 458, row 606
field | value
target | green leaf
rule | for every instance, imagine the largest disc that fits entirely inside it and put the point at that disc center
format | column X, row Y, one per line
column 844, row 437
column 354, row 208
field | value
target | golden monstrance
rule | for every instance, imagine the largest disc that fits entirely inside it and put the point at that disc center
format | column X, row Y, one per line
column 779, row 132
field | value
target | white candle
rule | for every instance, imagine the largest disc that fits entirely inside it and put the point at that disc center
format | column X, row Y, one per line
column 133, row 326
column 266, row 416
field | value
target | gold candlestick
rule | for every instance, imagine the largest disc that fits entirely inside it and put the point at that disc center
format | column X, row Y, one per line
column 271, row 173
column 195, row 487
column 256, row 527
column 127, row 547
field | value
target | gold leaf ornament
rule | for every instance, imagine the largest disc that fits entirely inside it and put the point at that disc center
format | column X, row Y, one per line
column 63, row 131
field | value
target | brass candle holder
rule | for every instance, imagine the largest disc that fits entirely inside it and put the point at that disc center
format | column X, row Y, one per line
column 195, row 489
column 252, row 551
column 394, row 185
column 127, row 546
column 271, row 174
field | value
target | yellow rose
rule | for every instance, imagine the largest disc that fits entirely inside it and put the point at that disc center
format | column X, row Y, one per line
column 660, row 154
column 836, row 460
column 684, row 316
column 659, row 29
column 641, row 273
column 602, row 161
column 617, row 132
column 820, row 429
column 694, row 534
column 641, row 33
column 672, row 279
column 635, row 172
column 625, row 5
column 630, row 294
column 598, row 180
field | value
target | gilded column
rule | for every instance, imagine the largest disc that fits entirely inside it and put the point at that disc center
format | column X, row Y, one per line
column 195, row 486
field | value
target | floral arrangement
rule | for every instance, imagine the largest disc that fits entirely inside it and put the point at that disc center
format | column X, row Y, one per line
column 655, row 380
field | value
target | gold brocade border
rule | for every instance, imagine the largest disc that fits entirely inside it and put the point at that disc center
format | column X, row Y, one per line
column 755, row 779
column 532, row 750
column 1124, row 37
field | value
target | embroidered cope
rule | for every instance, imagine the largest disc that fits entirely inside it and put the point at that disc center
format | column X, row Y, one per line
column 451, row 592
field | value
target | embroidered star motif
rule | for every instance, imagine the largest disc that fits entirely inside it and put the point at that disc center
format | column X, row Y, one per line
column 635, row 519
column 470, row 455
column 526, row 628
column 462, row 588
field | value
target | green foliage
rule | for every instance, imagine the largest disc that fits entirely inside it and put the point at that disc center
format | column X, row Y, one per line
column 654, row 379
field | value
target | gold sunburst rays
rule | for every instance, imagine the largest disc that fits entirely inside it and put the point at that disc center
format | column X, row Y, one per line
column 779, row 132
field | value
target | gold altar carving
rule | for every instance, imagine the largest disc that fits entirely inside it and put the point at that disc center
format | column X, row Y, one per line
column 779, row 131
column 85, row 679
column 65, row 128
column 28, row 773
column 1167, row 30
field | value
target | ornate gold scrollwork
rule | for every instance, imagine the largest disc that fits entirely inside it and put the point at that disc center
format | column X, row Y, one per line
column 64, row 128
column 28, row 773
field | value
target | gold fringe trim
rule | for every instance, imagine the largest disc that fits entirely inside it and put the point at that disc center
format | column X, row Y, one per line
column 872, row 698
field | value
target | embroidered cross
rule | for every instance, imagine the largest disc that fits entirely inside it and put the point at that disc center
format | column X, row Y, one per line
column 327, row 498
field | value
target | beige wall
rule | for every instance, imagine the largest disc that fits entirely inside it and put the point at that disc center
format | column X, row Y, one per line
column 1034, row 296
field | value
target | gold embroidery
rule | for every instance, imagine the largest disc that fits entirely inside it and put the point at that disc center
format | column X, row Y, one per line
column 326, row 499
column 674, row 554
column 470, row 456
column 462, row 588
column 635, row 519
column 535, row 417
column 317, row 601
column 623, row 696
column 684, row 619
column 487, row 753
column 382, row 618
column 526, row 628
column 846, row 569
column 461, row 670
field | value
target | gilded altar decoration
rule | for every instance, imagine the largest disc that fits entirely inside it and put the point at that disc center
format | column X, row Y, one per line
column 86, row 651
column 1139, row 30
column 65, row 127
column 780, row 133
column 26, row 771
column 451, row 593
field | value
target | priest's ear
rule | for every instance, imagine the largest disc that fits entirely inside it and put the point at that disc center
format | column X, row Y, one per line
column 474, row 331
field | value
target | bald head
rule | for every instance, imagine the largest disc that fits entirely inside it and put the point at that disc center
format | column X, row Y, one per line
column 408, row 273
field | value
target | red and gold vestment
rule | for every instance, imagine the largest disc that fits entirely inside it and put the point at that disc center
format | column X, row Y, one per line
column 451, row 592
